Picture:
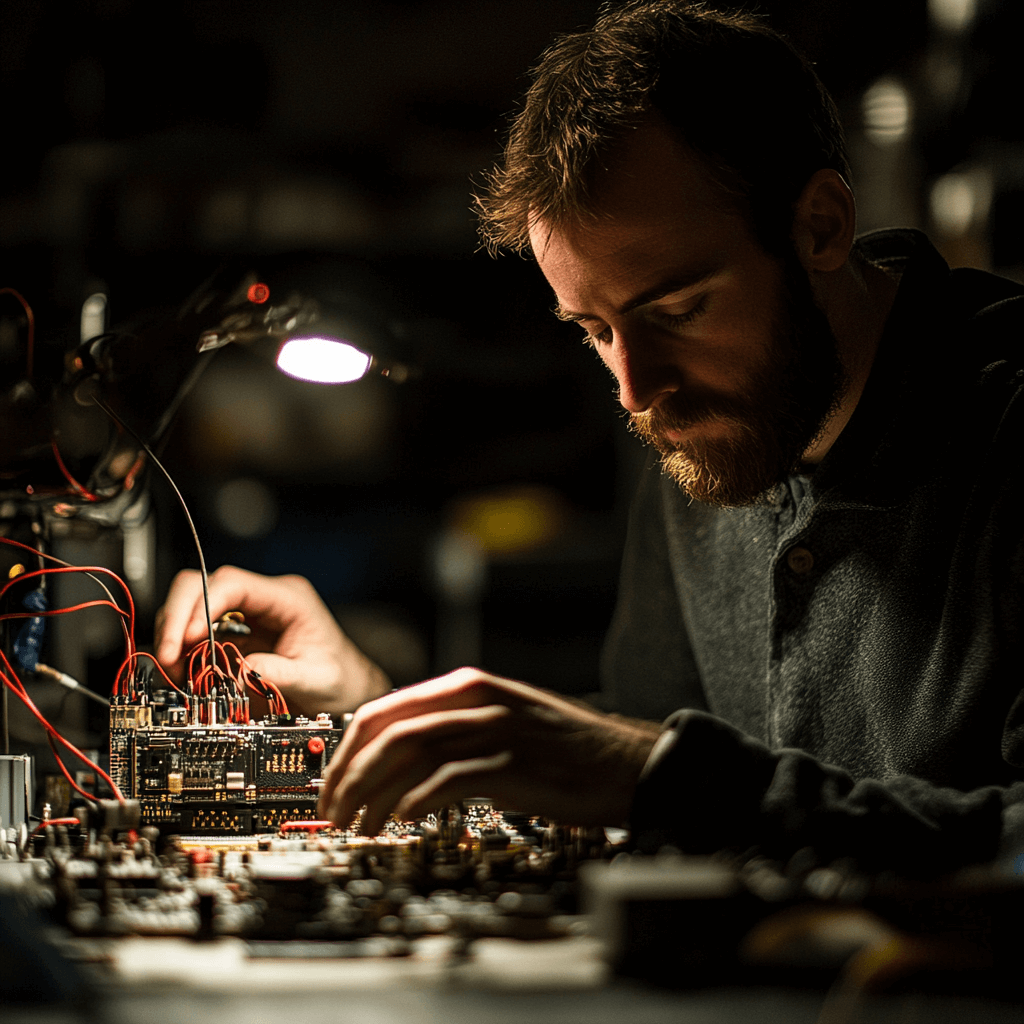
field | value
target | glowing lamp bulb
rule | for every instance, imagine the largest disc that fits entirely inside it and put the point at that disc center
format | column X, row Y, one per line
column 322, row 360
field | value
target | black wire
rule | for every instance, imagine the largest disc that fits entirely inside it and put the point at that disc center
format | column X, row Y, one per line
column 195, row 536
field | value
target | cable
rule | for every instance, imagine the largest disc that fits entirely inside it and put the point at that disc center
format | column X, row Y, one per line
column 87, row 494
column 65, row 680
column 55, row 822
column 10, row 679
column 188, row 516
column 64, row 567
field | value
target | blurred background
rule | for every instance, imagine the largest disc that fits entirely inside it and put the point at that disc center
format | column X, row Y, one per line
column 474, row 513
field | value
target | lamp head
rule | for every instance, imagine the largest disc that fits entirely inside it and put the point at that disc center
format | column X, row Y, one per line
column 323, row 360
column 314, row 347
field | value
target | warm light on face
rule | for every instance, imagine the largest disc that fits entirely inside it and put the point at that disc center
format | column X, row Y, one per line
column 322, row 360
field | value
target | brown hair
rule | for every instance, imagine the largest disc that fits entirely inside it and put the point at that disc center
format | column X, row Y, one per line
column 735, row 90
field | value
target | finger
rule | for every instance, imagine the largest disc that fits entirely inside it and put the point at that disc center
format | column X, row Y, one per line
column 455, row 781
column 464, row 688
column 184, row 620
column 283, row 672
column 401, row 758
column 368, row 723
column 176, row 614
column 276, row 601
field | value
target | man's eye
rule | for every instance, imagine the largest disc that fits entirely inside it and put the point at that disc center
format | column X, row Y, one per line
column 682, row 319
column 600, row 337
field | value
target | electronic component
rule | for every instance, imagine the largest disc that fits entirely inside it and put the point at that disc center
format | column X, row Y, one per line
column 15, row 790
column 465, row 871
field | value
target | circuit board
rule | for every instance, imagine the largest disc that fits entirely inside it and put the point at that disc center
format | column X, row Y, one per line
column 468, row 870
column 217, row 779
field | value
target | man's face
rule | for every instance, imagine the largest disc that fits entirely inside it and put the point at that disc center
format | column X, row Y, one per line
column 721, row 356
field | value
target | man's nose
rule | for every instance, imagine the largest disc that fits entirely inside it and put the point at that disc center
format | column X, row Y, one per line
column 643, row 370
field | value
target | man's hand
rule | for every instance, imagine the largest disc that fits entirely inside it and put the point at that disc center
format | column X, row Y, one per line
column 471, row 734
column 295, row 642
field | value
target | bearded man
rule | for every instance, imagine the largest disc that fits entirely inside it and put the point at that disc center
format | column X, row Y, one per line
column 822, row 580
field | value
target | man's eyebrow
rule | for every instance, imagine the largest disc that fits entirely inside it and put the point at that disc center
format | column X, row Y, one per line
column 659, row 291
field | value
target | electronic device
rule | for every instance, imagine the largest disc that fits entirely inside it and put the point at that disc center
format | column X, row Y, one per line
column 217, row 779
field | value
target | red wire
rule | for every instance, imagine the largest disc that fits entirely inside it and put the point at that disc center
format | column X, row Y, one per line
column 145, row 654
column 129, row 479
column 31, row 341
column 202, row 676
column 88, row 495
column 64, row 567
column 10, row 678
column 275, row 698
column 55, row 821
column 67, row 775
column 49, row 613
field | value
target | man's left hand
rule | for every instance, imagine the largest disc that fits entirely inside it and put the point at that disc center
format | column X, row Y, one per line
column 471, row 734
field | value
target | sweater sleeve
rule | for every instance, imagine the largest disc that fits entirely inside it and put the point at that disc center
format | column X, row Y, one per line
column 709, row 787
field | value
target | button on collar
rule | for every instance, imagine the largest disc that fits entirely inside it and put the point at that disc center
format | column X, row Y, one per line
column 800, row 560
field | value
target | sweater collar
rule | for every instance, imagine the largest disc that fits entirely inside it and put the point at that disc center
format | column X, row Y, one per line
column 890, row 437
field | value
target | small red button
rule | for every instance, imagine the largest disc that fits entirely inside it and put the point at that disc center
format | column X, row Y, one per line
column 316, row 745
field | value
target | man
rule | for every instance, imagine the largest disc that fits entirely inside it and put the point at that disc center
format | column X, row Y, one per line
column 826, row 572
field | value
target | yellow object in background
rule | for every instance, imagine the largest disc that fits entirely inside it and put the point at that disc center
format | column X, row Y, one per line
column 511, row 521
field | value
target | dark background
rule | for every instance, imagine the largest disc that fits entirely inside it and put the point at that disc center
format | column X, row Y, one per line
column 336, row 144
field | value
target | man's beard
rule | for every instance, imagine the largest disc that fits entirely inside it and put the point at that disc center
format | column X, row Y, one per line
column 783, row 407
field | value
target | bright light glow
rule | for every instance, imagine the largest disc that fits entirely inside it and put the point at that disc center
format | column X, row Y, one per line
column 322, row 360
column 887, row 111
column 953, row 15
column 94, row 316
column 960, row 200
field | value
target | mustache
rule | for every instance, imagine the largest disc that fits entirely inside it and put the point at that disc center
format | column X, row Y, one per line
column 679, row 413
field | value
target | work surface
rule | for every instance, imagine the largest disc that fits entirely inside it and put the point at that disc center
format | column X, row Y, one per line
column 475, row 923
column 564, row 981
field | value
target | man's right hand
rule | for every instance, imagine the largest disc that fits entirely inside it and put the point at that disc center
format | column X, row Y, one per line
column 295, row 641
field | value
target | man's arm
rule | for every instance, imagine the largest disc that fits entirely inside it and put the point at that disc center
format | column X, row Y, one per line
column 295, row 641
column 709, row 787
column 699, row 785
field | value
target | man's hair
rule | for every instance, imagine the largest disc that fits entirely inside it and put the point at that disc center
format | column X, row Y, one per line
column 733, row 89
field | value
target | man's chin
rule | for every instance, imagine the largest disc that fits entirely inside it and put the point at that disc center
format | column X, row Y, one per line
column 712, row 477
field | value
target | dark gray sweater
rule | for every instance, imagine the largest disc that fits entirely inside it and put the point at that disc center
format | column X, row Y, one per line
column 853, row 649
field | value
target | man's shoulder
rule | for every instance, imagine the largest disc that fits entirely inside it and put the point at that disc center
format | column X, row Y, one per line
column 965, row 292
column 947, row 327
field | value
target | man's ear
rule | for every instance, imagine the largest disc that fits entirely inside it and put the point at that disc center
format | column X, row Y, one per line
column 824, row 222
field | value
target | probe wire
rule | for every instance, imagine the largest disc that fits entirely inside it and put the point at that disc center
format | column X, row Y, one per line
column 188, row 516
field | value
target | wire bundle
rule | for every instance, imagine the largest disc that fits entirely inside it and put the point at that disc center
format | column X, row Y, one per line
column 221, row 680
column 9, row 677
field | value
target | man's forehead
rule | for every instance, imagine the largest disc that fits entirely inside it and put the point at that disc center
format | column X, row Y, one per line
column 625, row 262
